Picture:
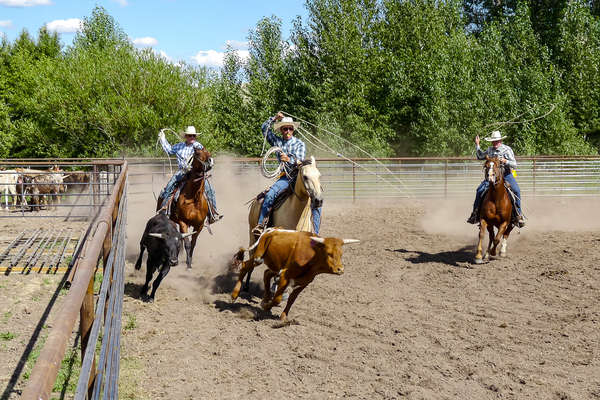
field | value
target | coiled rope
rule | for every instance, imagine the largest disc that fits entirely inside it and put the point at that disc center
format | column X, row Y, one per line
column 264, row 170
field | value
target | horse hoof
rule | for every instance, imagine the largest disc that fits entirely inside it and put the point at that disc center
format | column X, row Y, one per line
column 478, row 261
column 502, row 254
column 149, row 299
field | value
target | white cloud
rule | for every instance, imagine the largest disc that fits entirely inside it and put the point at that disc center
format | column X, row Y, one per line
column 145, row 41
column 236, row 44
column 6, row 23
column 70, row 25
column 24, row 3
column 209, row 58
column 162, row 54
column 122, row 3
column 213, row 58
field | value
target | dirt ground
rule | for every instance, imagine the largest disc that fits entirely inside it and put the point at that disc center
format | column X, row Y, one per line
column 411, row 317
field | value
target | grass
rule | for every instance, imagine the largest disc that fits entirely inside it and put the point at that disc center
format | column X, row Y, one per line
column 131, row 323
column 68, row 374
column 6, row 336
column 98, row 282
column 6, row 316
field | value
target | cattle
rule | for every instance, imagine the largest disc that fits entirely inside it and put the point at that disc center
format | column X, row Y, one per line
column 77, row 180
column 163, row 242
column 297, row 257
column 25, row 188
column 48, row 184
column 8, row 186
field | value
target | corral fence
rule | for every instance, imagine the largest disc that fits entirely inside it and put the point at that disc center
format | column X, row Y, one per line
column 433, row 177
column 74, row 190
column 102, row 247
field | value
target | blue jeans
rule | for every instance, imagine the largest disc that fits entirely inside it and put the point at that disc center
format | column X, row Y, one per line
column 481, row 189
column 174, row 182
column 279, row 186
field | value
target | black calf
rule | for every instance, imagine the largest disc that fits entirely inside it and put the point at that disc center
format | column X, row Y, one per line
column 163, row 242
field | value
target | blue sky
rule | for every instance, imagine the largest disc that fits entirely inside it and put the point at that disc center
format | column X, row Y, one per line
column 192, row 31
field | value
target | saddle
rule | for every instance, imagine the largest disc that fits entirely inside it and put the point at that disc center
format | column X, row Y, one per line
column 279, row 200
column 171, row 207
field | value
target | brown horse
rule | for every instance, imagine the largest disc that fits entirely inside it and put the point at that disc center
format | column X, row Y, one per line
column 191, row 208
column 495, row 211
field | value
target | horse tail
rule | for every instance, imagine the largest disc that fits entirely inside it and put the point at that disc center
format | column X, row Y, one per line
column 237, row 258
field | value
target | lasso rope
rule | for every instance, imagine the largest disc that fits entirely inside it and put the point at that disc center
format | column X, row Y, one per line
column 514, row 122
column 326, row 148
column 305, row 133
column 264, row 170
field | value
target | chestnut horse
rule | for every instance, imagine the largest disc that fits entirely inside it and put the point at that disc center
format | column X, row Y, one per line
column 495, row 211
column 191, row 208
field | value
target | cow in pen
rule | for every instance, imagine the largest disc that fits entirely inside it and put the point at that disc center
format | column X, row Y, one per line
column 163, row 242
column 297, row 257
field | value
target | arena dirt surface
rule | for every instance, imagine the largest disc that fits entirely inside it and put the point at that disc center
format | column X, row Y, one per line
column 411, row 317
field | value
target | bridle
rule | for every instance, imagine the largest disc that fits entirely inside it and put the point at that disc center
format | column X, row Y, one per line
column 311, row 193
column 491, row 167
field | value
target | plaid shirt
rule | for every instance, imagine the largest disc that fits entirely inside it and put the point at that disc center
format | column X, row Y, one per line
column 182, row 150
column 503, row 151
column 293, row 147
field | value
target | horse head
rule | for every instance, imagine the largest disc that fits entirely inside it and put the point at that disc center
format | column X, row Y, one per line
column 493, row 170
column 201, row 160
column 311, row 179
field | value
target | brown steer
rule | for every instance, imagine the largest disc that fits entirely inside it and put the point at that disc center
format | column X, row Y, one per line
column 297, row 257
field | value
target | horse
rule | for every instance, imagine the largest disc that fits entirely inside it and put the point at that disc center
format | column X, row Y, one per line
column 191, row 207
column 495, row 211
column 295, row 212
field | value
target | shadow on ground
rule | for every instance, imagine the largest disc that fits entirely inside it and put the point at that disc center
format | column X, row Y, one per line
column 245, row 311
column 458, row 258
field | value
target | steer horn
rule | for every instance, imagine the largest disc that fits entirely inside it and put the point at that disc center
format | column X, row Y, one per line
column 317, row 239
column 350, row 241
column 190, row 233
column 156, row 235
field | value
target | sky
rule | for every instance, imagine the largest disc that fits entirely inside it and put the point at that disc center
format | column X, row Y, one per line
column 196, row 32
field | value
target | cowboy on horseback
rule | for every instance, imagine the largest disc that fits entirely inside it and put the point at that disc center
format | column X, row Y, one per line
column 184, row 152
column 507, row 158
column 294, row 151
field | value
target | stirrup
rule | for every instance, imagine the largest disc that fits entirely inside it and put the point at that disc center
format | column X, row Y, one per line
column 259, row 229
column 216, row 218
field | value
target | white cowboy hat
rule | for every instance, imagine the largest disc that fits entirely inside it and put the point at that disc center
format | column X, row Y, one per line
column 190, row 130
column 286, row 121
column 496, row 135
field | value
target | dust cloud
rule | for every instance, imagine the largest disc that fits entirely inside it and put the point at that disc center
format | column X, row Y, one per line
column 209, row 273
column 448, row 217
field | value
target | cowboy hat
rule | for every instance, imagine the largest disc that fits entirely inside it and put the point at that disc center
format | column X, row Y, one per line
column 190, row 130
column 285, row 121
column 495, row 136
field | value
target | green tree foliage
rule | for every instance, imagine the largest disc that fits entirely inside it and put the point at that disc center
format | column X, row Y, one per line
column 408, row 77
column 579, row 57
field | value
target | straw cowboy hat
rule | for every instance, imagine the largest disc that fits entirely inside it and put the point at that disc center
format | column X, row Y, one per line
column 285, row 121
column 496, row 135
column 190, row 130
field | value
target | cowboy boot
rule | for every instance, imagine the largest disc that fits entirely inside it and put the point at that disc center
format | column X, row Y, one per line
column 520, row 221
column 474, row 218
column 259, row 229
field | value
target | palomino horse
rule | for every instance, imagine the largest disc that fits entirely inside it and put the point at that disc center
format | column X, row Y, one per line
column 295, row 212
column 191, row 207
column 495, row 210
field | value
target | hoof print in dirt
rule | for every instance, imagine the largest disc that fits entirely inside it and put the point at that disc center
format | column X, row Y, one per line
column 283, row 324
